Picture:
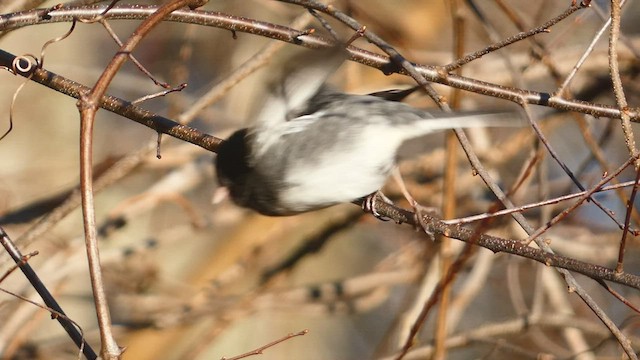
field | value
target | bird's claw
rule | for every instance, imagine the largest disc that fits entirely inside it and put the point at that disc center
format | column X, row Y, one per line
column 369, row 204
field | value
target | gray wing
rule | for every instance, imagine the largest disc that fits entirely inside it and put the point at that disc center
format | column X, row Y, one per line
column 289, row 88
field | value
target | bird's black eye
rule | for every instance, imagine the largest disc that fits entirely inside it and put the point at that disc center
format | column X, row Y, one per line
column 232, row 163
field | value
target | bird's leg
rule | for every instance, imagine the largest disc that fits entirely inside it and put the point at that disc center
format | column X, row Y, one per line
column 418, row 210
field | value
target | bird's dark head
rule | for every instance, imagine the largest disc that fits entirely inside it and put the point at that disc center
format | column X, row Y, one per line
column 232, row 163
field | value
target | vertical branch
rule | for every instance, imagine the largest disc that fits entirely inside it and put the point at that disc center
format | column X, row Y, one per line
column 614, row 69
column 109, row 348
column 449, row 193
column 88, row 106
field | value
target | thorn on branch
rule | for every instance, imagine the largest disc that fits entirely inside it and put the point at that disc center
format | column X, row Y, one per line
column 296, row 39
column 27, row 257
column 45, row 13
column 158, row 145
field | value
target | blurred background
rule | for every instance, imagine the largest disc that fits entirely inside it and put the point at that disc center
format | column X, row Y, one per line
column 188, row 279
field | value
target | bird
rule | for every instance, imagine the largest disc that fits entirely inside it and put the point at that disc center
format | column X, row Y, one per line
column 313, row 147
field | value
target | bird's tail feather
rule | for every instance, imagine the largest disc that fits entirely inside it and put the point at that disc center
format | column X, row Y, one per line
column 473, row 119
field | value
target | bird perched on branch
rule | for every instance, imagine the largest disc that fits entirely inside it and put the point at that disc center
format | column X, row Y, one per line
column 311, row 147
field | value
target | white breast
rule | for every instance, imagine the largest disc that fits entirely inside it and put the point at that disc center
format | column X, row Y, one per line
column 346, row 175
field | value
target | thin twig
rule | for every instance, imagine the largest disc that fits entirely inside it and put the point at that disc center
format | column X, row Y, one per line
column 554, row 155
column 133, row 59
column 61, row 317
column 69, row 326
column 159, row 94
column 619, row 296
column 544, row 28
column 522, row 208
column 586, row 195
column 605, row 17
column 560, row 90
column 627, row 219
column 261, row 349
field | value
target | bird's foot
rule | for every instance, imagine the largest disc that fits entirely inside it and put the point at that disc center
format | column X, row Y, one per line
column 371, row 201
column 419, row 213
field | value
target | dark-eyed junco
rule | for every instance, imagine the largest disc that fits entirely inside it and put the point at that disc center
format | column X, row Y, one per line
column 315, row 148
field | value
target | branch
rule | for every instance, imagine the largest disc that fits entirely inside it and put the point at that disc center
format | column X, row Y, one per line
column 293, row 36
column 46, row 296
column 115, row 105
